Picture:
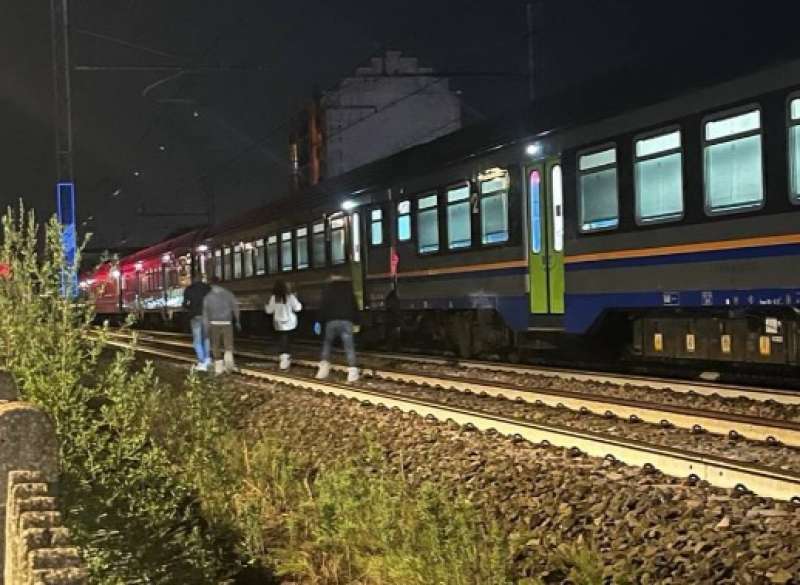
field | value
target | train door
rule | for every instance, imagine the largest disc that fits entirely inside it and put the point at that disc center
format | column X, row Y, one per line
column 546, row 237
column 357, row 263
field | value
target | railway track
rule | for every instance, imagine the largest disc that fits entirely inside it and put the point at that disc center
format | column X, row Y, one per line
column 722, row 423
column 701, row 387
column 718, row 471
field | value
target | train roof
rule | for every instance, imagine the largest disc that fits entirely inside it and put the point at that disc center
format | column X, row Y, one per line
column 603, row 97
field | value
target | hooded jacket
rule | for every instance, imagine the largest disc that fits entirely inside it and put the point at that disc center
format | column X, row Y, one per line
column 220, row 307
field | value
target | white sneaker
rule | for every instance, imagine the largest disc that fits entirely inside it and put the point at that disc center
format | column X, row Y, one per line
column 219, row 367
column 200, row 367
column 324, row 370
column 352, row 375
column 230, row 365
column 285, row 361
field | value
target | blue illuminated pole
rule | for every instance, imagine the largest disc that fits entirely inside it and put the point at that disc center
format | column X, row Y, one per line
column 62, row 120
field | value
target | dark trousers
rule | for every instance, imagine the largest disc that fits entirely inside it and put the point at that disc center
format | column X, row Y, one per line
column 285, row 341
column 221, row 339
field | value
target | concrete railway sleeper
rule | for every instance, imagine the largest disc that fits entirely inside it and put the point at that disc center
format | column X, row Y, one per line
column 717, row 471
column 722, row 423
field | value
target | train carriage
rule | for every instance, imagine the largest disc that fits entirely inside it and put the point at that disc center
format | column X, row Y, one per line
column 669, row 230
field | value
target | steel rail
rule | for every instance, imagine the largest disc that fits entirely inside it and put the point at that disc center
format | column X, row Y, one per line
column 735, row 425
column 677, row 385
column 717, row 471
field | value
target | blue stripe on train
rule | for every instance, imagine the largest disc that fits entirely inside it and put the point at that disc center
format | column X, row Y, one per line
column 583, row 310
column 686, row 257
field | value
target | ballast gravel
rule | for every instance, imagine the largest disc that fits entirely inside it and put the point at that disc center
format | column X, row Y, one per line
column 656, row 528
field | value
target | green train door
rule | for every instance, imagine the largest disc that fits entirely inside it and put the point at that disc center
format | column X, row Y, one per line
column 546, row 237
column 356, row 260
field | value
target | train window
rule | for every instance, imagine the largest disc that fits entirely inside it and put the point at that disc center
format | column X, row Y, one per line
column 376, row 227
column 318, row 256
column 249, row 250
column 459, row 219
column 597, row 172
column 494, row 208
column 535, row 190
column 260, row 258
column 658, row 171
column 732, row 163
column 356, row 236
column 301, row 247
column 218, row 264
column 286, row 251
column 338, row 252
column 227, row 273
column 404, row 221
column 237, row 261
column 272, row 255
column 557, row 185
column 427, row 224
column 794, row 149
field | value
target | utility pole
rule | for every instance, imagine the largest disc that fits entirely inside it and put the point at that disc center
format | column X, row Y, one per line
column 529, row 9
column 62, row 123
column 61, row 89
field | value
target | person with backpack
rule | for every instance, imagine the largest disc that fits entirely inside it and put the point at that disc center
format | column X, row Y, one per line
column 283, row 306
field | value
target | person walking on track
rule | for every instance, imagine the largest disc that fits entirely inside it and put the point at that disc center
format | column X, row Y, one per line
column 283, row 306
column 338, row 312
column 220, row 314
column 193, row 296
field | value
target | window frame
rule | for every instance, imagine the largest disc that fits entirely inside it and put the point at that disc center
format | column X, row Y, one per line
column 297, row 237
column 227, row 262
column 219, row 269
column 415, row 223
column 238, row 250
column 398, row 215
column 479, row 203
column 281, row 241
column 382, row 222
column 794, row 198
column 343, row 229
column 276, row 268
column 314, row 235
column 260, row 250
column 680, row 150
column 721, row 115
column 579, row 173
column 468, row 201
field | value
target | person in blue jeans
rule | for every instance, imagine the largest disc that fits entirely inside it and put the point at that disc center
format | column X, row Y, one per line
column 193, row 297
column 338, row 312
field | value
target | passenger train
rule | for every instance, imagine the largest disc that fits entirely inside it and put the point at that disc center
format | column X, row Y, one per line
column 669, row 229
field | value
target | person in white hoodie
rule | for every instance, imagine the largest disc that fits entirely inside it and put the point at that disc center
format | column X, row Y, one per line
column 283, row 306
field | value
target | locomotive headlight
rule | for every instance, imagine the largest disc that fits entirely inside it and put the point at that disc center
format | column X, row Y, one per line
column 533, row 149
column 115, row 273
column 348, row 205
column 202, row 248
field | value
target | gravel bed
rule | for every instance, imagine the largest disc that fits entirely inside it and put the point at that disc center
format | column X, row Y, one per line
column 762, row 408
column 663, row 529
column 768, row 409
column 741, row 449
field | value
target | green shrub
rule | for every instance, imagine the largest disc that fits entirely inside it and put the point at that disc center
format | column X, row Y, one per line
column 135, row 520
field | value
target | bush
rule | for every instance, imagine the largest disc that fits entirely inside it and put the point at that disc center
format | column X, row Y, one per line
column 135, row 520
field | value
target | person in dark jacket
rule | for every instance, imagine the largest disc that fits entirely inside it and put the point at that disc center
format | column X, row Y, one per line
column 193, row 296
column 220, row 314
column 338, row 312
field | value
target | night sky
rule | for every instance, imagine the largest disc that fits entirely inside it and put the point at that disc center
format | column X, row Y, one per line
column 226, row 132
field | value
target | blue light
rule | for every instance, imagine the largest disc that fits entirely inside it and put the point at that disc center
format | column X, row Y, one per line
column 65, row 206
